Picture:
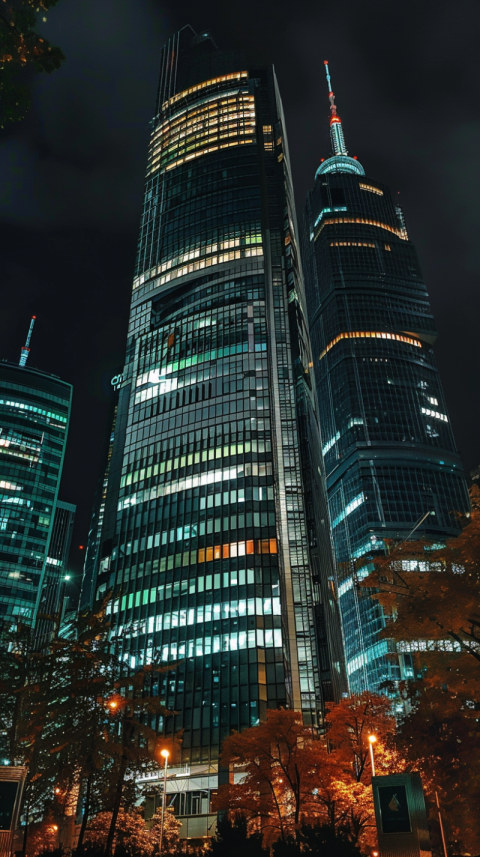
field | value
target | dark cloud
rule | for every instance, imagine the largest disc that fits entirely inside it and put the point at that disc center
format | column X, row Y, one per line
column 407, row 82
column 79, row 158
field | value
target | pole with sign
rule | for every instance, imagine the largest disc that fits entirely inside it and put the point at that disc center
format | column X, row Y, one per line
column 401, row 816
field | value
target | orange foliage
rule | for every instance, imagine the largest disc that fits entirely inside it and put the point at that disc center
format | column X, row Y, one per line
column 432, row 598
column 285, row 775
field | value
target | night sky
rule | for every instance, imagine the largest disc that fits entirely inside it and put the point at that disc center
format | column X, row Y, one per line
column 407, row 83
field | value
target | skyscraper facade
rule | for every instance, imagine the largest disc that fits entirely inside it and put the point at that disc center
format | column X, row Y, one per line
column 215, row 533
column 34, row 419
column 391, row 461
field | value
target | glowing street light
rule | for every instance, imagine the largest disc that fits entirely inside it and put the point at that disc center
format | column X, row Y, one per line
column 165, row 754
column 371, row 740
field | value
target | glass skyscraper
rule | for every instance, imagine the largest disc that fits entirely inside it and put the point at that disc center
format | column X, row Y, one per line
column 34, row 419
column 391, row 461
column 215, row 536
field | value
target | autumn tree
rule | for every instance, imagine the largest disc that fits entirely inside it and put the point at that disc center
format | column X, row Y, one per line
column 350, row 723
column 132, row 838
column 431, row 593
column 170, row 838
column 134, row 743
column 22, row 51
column 81, row 728
column 131, row 835
column 286, row 776
column 232, row 839
column 20, row 671
column 431, row 597
column 318, row 839
column 60, row 732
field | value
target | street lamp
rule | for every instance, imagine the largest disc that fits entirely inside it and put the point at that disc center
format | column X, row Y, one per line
column 371, row 740
column 165, row 754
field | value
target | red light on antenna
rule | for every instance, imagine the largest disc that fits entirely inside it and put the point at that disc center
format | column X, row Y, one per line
column 322, row 160
column 80, row 547
column 355, row 158
column 34, row 316
column 325, row 62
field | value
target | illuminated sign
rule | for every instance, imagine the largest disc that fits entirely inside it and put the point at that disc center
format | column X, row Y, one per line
column 395, row 817
column 116, row 381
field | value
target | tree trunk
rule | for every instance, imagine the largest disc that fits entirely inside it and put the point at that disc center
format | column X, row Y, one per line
column 127, row 734
column 86, row 811
column 116, row 806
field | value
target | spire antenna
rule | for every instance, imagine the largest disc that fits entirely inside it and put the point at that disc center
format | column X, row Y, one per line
column 336, row 130
column 26, row 348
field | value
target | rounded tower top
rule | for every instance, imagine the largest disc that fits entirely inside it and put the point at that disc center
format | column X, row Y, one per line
column 340, row 164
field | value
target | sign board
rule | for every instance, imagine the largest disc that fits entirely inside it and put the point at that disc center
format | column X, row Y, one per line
column 12, row 780
column 401, row 816
column 394, row 814
column 8, row 797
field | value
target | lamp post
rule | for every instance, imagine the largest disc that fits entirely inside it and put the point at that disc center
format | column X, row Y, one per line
column 371, row 741
column 165, row 754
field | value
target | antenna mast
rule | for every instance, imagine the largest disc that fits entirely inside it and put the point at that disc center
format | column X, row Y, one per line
column 336, row 130
column 25, row 348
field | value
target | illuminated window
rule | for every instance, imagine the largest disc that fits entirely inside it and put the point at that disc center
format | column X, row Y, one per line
column 217, row 122
column 204, row 256
column 371, row 188
column 332, row 221
column 238, row 75
column 387, row 247
column 208, row 478
column 351, row 244
column 10, row 486
column 236, row 549
column 268, row 141
column 24, row 407
column 327, row 447
column 370, row 334
column 349, row 508
column 325, row 211
column 436, row 414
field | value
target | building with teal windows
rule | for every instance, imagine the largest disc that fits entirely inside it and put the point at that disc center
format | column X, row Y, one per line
column 393, row 470
column 215, row 537
column 34, row 419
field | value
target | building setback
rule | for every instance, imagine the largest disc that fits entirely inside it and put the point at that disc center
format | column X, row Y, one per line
column 215, row 537
column 391, row 461
column 34, row 419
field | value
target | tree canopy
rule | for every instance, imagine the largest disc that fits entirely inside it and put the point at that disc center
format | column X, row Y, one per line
column 431, row 598
column 83, row 730
column 23, row 51
column 286, row 775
